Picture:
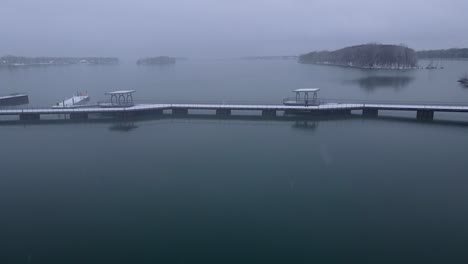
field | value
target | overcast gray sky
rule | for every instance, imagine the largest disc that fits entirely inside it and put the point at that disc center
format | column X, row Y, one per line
column 218, row 28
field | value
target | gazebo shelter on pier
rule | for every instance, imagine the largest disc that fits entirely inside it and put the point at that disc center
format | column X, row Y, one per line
column 121, row 98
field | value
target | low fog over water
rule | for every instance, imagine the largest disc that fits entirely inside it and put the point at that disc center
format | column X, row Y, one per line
column 223, row 29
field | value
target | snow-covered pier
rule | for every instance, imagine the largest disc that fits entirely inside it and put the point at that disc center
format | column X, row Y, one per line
column 122, row 105
column 423, row 111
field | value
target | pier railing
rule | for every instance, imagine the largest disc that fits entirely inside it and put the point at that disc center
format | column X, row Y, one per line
column 280, row 102
column 391, row 102
column 302, row 101
column 321, row 101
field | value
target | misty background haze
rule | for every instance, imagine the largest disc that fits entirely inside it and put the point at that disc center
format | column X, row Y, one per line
column 223, row 29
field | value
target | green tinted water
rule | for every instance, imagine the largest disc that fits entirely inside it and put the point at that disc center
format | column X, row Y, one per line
column 234, row 191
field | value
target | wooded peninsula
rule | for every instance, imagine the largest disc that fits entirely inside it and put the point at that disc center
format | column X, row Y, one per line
column 369, row 56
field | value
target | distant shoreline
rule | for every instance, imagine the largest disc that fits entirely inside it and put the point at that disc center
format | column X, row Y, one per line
column 160, row 60
column 462, row 59
column 363, row 68
column 453, row 53
column 279, row 57
column 20, row 61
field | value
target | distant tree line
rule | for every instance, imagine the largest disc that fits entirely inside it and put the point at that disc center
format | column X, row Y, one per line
column 284, row 57
column 443, row 54
column 160, row 60
column 365, row 56
column 10, row 60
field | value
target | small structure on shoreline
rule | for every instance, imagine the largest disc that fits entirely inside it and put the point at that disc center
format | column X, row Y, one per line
column 464, row 80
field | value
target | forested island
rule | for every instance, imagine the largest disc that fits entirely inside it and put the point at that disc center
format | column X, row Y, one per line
column 160, row 60
column 443, row 54
column 368, row 56
column 10, row 60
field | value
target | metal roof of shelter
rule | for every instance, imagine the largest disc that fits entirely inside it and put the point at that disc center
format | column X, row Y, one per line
column 121, row 92
column 307, row 90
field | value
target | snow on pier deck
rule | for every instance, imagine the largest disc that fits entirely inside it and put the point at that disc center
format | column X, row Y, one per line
column 424, row 111
column 145, row 107
column 405, row 107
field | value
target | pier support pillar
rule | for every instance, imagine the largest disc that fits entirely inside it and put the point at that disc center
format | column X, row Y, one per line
column 370, row 112
column 153, row 112
column 343, row 112
column 425, row 115
column 79, row 116
column 124, row 114
column 29, row 116
column 179, row 111
column 268, row 112
column 223, row 112
column 304, row 112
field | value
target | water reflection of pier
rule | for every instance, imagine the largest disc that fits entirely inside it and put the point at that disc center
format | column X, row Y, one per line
column 123, row 126
column 306, row 124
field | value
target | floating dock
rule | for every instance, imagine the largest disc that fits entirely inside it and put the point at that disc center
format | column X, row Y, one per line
column 75, row 101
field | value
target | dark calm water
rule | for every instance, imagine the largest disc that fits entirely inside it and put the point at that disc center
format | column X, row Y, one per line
column 235, row 191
